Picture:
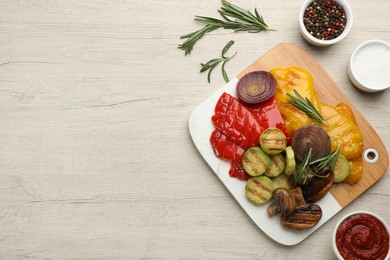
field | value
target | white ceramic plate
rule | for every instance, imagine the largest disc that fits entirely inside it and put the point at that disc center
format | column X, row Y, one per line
column 200, row 127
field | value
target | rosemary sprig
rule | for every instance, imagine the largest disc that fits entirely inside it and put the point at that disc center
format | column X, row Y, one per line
column 243, row 20
column 322, row 162
column 304, row 169
column 306, row 106
column 234, row 18
column 211, row 64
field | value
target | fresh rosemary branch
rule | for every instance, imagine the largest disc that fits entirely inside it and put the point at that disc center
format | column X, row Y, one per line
column 234, row 18
column 244, row 20
column 322, row 162
column 304, row 168
column 211, row 64
column 306, row 106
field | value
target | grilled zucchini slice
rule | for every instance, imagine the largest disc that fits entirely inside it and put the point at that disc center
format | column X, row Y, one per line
column 259, row 189
column 276, row 166
column 255, row 161
column 341, row 169
column 290, row 161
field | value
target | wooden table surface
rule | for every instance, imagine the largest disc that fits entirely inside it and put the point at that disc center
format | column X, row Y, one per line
column 96, row 160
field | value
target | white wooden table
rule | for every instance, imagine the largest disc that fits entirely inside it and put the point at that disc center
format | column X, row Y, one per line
column 96, row 160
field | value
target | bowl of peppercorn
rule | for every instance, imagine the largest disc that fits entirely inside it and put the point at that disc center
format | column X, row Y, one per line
column 324, row 22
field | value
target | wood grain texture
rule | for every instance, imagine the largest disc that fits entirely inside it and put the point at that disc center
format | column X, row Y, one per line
column 96, row 161
column 286, row 55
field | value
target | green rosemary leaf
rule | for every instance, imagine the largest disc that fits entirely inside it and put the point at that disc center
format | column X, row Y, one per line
column 209, row 74
column 209, row 21
column 224, row 74
column 303, row 169
column 211, row 64
column 306, row 106
column 332, row 157
column 226, row 48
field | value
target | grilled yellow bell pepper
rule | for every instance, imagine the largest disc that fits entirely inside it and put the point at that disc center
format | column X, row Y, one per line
column 288, row 80
column 342, row 130
column 341, row 124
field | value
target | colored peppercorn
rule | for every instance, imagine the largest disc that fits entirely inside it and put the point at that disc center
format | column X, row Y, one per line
column 325, row 19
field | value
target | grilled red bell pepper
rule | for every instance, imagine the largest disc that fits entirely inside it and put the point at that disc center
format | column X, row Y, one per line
column 238, row 127
column 237, row 171
column 224, row 147
column 236, row 121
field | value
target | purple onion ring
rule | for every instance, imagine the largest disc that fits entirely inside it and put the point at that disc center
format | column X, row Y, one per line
column 256, row 87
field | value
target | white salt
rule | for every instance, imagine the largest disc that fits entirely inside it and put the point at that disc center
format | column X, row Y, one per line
column 371, row 65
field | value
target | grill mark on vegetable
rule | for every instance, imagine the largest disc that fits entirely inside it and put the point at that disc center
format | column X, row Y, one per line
column 277, row 166
column 254, row 156
column 256, row 194
column 262, row 186
column 278, row 143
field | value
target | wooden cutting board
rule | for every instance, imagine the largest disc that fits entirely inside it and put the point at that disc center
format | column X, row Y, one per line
column 285, row 55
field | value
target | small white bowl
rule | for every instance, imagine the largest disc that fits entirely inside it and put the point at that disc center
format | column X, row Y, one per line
column 369, row 66
column 322, row 43
column 335, row 250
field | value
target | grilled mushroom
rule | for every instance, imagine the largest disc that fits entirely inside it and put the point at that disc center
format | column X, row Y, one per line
column 298, row 196
column 303, row 217
column 285, row 201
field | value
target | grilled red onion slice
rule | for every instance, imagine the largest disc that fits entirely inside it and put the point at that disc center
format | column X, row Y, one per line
column 256, row 87
column 311, row 136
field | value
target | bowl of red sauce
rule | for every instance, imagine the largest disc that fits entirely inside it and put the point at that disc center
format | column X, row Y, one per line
column 361, row 235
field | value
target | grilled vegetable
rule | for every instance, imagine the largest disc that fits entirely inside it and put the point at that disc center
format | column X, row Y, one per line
column 285, row 201
column 282, row 181
column 355, row 171
column 318, row 186
column 341, row 169
column 298, row 196
column 276, row 166
column 259, row 189
column 290, row 161
column 311, row 137
column 256, row 87
column 255, row 161
column 273, row 140
column 303, row 217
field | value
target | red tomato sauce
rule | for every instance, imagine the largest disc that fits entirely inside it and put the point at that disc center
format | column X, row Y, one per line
column 362, row 236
